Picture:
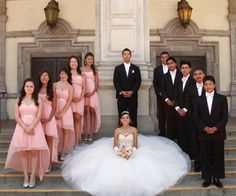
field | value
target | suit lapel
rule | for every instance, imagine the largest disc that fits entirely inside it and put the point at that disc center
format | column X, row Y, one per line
column 124, row 71
column 204, row 105
column 214, row 102
column 130, row 69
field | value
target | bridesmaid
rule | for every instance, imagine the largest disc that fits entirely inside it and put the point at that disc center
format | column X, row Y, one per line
column 28, row 151
column 64, row 114
column 92, row 113
column 78, row 83
column 47, row 95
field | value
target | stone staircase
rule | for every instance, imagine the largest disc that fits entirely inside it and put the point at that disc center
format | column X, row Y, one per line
column 54, row 185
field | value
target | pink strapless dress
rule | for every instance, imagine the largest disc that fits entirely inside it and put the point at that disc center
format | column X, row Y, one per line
column 66, row 122
column 77, row 82
column 50, row 128
column 78, row 107
column 22, row 141
column 92, row 101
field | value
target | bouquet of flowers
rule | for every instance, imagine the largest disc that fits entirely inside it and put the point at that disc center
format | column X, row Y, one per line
column 125, row 152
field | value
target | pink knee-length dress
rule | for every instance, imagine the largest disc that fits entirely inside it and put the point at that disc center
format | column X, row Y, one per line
column 78, row 107
column 50, row 128
column 21, row 141
column 92, row 101
column 66, row 122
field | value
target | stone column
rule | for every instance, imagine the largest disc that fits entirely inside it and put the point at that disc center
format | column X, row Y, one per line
column 3, row 19
column 232, row 20
column 123, row 24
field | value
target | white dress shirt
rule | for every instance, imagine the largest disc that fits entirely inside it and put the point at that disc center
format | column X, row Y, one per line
column 165, row 68
column 173, row 74
column 127, row 66
column 199, row 88
column 184, row 80
column 209, row 97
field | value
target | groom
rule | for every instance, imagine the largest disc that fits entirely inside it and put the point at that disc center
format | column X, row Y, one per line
column 127, row 80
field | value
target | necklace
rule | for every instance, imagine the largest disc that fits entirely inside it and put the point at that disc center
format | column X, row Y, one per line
column 125, row 133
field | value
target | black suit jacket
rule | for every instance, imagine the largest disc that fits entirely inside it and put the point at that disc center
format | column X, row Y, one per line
column 158, row 75
column 218, row 117
column 169, row 90
column 182, row 97
column 122, row 82
column 193, row 95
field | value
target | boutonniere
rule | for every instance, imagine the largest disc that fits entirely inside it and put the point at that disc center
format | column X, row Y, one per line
column 132, row 71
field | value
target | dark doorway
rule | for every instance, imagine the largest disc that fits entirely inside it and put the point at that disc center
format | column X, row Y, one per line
column 196, row 61
column 52, row 64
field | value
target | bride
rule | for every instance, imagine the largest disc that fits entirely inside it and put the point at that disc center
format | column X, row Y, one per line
column 145, row 167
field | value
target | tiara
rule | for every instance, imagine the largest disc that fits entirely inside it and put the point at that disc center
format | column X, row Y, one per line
column 124, row 112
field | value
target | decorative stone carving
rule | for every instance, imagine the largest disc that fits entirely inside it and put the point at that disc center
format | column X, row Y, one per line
column 60, row 42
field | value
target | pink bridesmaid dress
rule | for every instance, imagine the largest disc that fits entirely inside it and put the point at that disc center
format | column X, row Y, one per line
column 22, row 141
column 92, row 101
column 50, row 128
column 66, row 122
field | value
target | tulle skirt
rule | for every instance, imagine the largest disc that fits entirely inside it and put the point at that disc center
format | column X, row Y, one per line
column 157, row 164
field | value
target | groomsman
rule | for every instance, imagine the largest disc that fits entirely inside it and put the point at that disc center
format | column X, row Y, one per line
column 169, row 92
column 127, row 80
column 195, row 91
column 181, row 104
column 158, row 75
column 211, row 111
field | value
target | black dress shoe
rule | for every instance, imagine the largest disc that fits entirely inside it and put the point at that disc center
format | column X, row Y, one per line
column 206, row 183
column 217, row 182
column 197, row 169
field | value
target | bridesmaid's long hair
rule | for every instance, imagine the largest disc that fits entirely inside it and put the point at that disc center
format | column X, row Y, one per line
column 122, row 114
column 34, row 94
column 49, row 86
column 68, row 73
column 79, row 65
column 92, row 66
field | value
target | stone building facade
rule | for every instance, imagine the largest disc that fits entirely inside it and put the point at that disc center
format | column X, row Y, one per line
column 105, row 27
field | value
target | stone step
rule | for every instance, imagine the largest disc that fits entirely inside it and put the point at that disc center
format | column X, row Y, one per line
column 7, row 135
column 191, row 185
column 229, row 142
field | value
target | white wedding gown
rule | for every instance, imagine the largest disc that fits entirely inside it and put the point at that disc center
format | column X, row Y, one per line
column 157, row 164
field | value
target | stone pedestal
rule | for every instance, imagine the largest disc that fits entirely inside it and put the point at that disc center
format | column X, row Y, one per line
column 122, row 24
column 3, row 19
column 232, row 20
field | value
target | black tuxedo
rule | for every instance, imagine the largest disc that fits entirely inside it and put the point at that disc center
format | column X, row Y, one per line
column 194, row 140
column 183, row 122
column 212, row 145
column 158, row 75
column 169, row 90
column 132, row 82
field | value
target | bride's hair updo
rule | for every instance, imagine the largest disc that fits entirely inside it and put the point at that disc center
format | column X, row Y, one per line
column 122, row 114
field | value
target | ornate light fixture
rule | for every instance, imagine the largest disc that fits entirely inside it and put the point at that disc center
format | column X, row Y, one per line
column 184, row 11
column 51, row 13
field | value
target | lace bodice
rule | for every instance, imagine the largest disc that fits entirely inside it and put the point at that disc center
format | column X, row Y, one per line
column 125, row 140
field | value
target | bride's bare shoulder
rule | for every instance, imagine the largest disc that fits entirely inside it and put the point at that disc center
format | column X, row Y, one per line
column 134, row 130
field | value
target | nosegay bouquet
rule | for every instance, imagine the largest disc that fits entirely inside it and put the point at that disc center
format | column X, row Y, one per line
column 125, row 152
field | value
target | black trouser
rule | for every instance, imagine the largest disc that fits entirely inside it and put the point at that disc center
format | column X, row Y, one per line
column 183, row 132
column 161, row 112
column 212, row 159
column 171, row 122
column 128, row 104
column 195, row 145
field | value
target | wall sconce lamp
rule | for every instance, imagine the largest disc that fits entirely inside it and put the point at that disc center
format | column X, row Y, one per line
column 51, row 13
column 184, row 12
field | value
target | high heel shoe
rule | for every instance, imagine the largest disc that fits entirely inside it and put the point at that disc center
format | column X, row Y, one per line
column 32, row 184
column 25, row 184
